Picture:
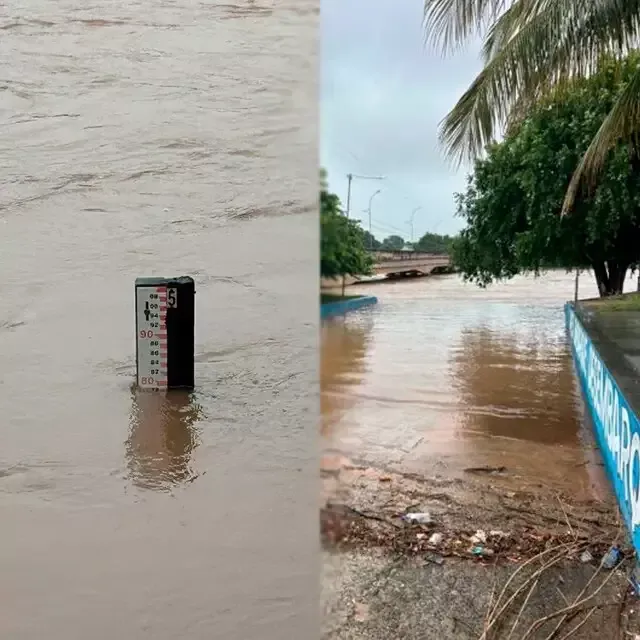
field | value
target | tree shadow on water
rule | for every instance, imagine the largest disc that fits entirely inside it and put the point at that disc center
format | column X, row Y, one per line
column 162, row 438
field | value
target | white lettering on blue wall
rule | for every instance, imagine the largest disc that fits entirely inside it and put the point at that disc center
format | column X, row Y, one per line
column 617, row 426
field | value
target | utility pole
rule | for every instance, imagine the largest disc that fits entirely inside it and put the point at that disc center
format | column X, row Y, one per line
column 413, row 213
column 350, row 177
column 369, row 210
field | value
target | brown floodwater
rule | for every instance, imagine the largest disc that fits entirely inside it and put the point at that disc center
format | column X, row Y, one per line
column 442, row 376
column 157, row 138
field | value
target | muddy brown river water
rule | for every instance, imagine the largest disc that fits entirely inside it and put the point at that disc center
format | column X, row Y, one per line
column 157, row 138
column 442, row 376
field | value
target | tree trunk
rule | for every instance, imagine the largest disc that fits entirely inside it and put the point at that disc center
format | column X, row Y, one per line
column 610, row 277
column 602, row 278
column 617, row 274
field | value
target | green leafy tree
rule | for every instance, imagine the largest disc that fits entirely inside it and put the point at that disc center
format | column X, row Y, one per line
column 532, row 47
column 371, row 242
column 392, row 243
column 342, row 241
column 514, row 198
column 433, row 243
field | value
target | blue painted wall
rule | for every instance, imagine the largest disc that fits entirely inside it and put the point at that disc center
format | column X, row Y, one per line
column 617, row 427
column 344, row 306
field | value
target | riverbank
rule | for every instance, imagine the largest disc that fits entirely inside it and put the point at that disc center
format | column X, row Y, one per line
column 386, row 578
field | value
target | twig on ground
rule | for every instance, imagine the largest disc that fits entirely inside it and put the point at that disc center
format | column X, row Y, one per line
column 497, row 613
column 522, row 608
column 520, row 568
column 491, row 596
column 580, row 624
column 566, row 517
column 562, row 595
column 584, row 590
column 367, row 516
column 542, row 516
column 623, row 603
column 562, row 612
column 562, row 552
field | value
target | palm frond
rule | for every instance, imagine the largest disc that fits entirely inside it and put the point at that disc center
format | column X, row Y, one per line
column 503, row 28
column 511, row 73
column 533, row 46
column 622, row 123
column 448, row 23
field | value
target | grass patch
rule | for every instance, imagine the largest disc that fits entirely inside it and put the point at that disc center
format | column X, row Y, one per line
column 625, row 302
column 326, row 298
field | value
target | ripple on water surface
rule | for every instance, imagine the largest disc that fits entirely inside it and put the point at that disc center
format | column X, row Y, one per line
column 134, row 139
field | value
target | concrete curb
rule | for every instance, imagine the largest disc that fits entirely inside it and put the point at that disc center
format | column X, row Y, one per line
column 344, row 306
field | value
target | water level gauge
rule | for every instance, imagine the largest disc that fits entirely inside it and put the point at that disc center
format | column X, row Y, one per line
column 165, row 333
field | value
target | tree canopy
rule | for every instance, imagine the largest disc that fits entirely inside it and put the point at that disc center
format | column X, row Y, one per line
column 532, row 47
column 342, row 241
column 514, row 198
column 433, row 243
column 392, row 243
column 371, row 242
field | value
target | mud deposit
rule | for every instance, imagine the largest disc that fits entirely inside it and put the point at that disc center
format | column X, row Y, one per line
column 489, row 558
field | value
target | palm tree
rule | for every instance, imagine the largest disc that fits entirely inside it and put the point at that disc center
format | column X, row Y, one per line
column 532, row 48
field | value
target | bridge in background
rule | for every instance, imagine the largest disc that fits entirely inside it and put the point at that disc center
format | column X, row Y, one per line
column 397, row 264
column 408, row 263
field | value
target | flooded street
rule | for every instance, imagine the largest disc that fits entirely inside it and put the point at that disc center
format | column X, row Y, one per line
column 444, row 379
column 457, row 454
column 136, row 141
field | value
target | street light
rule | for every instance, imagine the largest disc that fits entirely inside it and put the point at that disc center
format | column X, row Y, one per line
column 369, row 210
column 413, row 213
column 350, row 177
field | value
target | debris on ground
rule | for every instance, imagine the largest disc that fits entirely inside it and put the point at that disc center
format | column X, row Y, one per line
column 343, row 527
column 586, row 556
column 417, row 518
column 479, row 537
column 612, row 558
column 544, row 566
column 482, row 552
column 436, row 538
column 510, row 605
column 434, row 557
column 486, row 470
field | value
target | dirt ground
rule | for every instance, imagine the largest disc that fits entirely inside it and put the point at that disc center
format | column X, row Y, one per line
column 386, row 578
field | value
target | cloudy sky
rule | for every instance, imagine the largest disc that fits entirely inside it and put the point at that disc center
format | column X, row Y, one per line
column 383, row 93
